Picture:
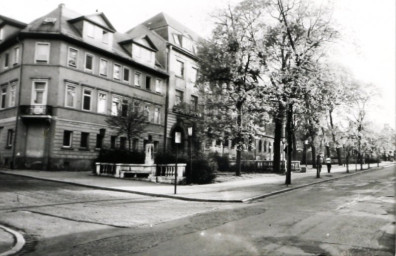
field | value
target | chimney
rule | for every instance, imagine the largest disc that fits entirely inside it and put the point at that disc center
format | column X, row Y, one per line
column 61, row 5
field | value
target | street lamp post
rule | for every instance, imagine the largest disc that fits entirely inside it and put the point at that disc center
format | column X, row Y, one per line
column 306, row 154
column 190, row 133
column 177, row 142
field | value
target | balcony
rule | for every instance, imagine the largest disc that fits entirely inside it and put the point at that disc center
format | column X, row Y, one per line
column 187, row 109
column 36, row 111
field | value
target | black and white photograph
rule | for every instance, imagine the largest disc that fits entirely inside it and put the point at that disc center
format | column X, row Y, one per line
column 198, row 128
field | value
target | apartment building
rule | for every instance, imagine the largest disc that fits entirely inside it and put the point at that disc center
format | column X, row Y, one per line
column 177, row 52
column 177, row 48
column 61, row 76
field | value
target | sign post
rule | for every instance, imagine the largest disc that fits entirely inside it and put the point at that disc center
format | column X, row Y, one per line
column 177, row 142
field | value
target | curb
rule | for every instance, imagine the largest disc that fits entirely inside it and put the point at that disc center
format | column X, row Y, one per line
column 247, row 200
column 128, row 191
column 19, row 243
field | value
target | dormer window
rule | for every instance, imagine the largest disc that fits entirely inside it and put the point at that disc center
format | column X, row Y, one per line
column 105, row 37
column 90, row 29
column 142, row 54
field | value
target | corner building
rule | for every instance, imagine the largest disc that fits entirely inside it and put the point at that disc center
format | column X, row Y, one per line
column 61, row 76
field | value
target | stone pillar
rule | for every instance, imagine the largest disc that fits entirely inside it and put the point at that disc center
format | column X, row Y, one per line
column 149, row 153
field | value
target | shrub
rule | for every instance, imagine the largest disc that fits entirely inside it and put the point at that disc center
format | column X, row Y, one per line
column 202, row 172
column 120, row 156
column 223, row 163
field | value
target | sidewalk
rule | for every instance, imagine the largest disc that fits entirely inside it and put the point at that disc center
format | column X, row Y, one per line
column 239, row 189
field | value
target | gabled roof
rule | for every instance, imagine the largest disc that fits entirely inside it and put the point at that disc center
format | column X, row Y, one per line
column 99, row 19
column 144, row 41
column 163, row 20
column 61, row 21
column 12, row 22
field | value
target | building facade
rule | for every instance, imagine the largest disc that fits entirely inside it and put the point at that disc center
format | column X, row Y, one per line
column 64, row 74
column 61, row 76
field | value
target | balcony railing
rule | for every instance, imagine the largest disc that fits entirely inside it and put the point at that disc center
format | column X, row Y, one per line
column 187, row 109
column 36, row 110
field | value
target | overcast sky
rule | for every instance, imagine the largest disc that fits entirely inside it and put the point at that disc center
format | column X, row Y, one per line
column 368, row 46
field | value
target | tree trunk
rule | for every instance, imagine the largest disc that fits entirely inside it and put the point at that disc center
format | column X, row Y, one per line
column 239, row 140
column 277, row 140
column 334, row 137
column 294, row 145
column 313, row 156
column 289, row 130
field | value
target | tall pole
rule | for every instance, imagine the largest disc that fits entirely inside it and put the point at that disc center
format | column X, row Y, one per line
column 190, row 131
column 177, row 142
column 176, row 171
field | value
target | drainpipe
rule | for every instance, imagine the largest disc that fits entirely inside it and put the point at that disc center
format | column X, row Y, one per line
column 167, row 100
column 17, row 106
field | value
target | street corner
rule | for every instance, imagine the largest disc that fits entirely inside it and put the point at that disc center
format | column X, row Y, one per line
column 11, row 241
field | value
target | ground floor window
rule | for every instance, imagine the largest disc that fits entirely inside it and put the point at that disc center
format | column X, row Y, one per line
column 10, row 137
column 84, row 142
column 67, row 139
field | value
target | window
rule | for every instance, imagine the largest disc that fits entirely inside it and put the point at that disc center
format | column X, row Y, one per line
column 99, row 141
column 178, row 97
column 117, row 72
column 72, row 58
column 87, row 94
column 39, row 96
column 135, row 144
column 42, row 53
column 124, row 108
column 6, row 60
column 102, row 102
column 126, row 74
column 157, row 118
column 67, row 139
column 136, row 106
column 176, row 38
column 84, row 142
column 90, row 29
column 113, row 142
column 260, row 146
column 89, row 62
column 70, row 100
column 148, row 82
column 194, row 103
column 137, row 79
column 103, row 67
column 194, row 75
column 1, row 34
column 158, row 86
column 10, row 137
column 114, row 106
column 123, row 142
column 12, row 94
column 147, row 112
column 16, row 55
column 105, row 37
column 179, row 69
column 3, row 96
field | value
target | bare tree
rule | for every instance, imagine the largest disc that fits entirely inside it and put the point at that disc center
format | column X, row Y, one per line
column 129, row 121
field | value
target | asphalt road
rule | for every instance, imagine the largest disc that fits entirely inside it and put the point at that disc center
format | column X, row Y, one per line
column 351, row 216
